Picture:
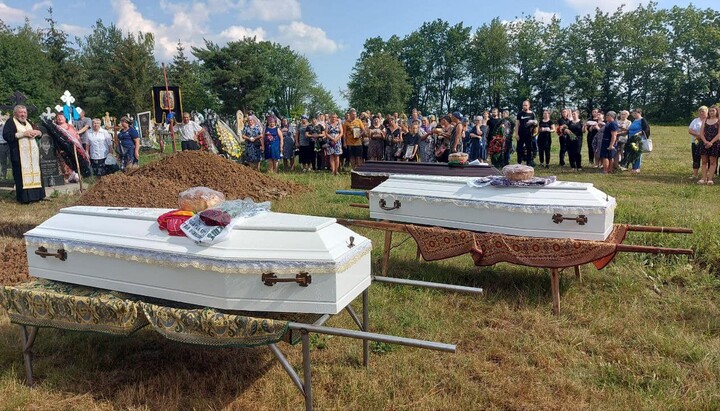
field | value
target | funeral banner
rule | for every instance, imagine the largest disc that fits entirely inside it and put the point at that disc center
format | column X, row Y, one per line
column 166, row 101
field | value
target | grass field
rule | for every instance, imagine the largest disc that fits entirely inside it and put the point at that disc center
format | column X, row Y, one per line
column 644, row 333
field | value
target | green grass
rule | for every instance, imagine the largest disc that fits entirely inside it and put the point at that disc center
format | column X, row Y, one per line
column 644, row 333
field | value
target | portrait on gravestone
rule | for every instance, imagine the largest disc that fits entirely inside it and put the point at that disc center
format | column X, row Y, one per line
column 144, row 129
column 50, row 170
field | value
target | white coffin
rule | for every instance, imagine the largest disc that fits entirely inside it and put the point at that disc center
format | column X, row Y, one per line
column 525, row 211
column 123, row 249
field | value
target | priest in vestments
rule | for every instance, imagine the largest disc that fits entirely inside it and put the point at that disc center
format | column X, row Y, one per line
column 24, row 156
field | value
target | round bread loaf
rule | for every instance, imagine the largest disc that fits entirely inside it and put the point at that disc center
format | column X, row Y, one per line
column 518, row 172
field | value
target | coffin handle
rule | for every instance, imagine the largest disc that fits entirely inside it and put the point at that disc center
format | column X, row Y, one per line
column 580, row 219
column 43, row 252
column 383, row 205
column 302, row 279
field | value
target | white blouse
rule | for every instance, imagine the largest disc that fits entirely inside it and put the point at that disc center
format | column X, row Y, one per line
column 99, row 143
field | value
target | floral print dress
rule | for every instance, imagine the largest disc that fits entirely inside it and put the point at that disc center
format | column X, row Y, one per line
column 252, row 149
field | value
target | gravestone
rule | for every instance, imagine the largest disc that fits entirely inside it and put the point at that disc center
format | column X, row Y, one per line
column 49, row 162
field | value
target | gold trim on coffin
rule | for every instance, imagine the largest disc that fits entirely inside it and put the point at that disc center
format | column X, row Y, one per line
column 204, row 266
column 47, row 303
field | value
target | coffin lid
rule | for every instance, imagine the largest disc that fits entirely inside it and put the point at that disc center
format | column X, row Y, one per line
column 578, row 197
column 264, row 242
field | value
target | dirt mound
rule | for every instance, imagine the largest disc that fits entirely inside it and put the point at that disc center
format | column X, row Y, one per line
column 13, row 263
column 121, row 190
column 158, row 184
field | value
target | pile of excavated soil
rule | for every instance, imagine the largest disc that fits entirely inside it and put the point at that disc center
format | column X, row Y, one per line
column 13, row 263
column 158, row 184
column 122, row 190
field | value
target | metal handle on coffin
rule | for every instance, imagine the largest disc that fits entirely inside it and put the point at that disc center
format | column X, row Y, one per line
column 383, row 204
column 580, row 219
column 43, row 252
column 302, row 279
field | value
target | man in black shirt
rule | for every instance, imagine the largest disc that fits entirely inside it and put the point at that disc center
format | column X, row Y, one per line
column 493, row 123
column 524, row 124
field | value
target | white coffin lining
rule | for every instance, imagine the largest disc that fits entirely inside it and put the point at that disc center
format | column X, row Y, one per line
column 494, row 205
column 204, row 263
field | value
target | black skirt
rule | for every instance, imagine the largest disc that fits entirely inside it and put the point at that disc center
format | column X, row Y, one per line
column 307, row 154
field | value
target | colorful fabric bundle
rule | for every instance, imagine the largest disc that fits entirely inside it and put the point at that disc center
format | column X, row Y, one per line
column 172, row 220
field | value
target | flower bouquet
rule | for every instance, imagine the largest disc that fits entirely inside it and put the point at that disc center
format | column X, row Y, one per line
column 495, row 150
column 633, row 148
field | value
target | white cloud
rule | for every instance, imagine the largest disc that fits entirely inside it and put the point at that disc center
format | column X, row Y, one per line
column 74, row 30
column 43, row 5
column 545, row 16
column 224, row 6
column 270, row 10
column 588, row 6
column 192, row 22
column 233, row 33
column 187, row 26
column 307, row 39
column 11, row 15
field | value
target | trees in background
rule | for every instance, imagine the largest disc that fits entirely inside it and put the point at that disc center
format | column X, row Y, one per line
column 191, row 77
column 254, row 75
column 665, row 61
column 110, row 70
column 25, row 67
column 379, row 83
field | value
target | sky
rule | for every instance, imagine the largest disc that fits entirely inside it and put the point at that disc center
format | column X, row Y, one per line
column 330, row 33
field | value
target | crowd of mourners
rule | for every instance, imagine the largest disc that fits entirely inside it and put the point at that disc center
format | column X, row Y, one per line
column 613, row 141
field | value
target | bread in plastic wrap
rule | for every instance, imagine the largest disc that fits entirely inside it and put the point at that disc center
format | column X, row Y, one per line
column 197, row 199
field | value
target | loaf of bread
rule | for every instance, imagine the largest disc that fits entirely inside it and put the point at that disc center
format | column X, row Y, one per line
column 460, row 158
column 197, row 199
column 518, row 172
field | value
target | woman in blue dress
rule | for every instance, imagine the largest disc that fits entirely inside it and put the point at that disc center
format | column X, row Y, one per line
column 129, row 143
column 254, row 144
column 273, row 143
column 638, row 130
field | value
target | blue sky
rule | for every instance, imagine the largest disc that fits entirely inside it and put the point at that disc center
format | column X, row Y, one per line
column 330, row 33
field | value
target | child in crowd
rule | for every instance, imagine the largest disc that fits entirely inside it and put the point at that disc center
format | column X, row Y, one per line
column 410, row 142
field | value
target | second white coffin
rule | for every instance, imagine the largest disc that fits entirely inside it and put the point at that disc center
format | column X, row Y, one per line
column 558, row 210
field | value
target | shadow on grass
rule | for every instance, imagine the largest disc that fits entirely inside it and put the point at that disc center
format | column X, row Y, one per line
column 7, row 195
column 664, row 178
column 145, row 370
column 502, row 282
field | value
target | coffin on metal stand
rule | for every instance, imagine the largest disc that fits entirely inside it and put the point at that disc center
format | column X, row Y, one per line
column 124, row 250
column 304, row 383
